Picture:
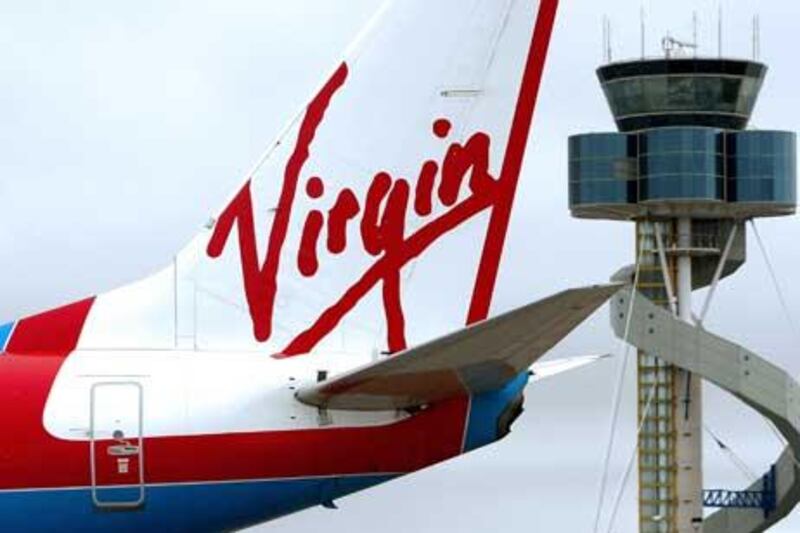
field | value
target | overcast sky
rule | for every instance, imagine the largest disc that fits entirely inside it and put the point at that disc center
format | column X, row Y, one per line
column 124, row 125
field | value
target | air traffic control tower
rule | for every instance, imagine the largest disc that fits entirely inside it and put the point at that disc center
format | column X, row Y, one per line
column 685, row 168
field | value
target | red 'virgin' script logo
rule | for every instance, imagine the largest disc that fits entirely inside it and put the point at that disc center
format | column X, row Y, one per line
column 383, row 213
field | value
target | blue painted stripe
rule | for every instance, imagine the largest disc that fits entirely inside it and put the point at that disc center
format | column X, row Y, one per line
column 485, row 410
column 200, row 507
column 5, row 333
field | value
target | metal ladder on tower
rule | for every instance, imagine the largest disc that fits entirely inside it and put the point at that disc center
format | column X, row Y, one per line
column 656, row 403
column 763, row 386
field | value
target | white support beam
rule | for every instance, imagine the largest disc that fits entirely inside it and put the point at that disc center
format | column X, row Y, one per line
column 662, row 258
column 689, row 414
column 723, row 260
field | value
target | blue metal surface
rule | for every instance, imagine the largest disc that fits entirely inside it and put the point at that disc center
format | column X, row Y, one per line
column 5, row 333
column 188, row 507
column 765, row 499
column 485, row 411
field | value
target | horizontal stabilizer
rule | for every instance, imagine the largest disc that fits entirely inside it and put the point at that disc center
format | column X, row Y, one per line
column 547, row 369
column 477, row 359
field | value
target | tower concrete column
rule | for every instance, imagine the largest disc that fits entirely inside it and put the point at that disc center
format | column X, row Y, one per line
column 689, row 410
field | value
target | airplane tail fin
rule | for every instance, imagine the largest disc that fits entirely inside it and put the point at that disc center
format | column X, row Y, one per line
column 404, row 165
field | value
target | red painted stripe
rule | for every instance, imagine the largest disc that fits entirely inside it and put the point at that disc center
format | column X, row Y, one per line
column 53, row 333
column 25, row 383
column 512, row 164
column 427, row 438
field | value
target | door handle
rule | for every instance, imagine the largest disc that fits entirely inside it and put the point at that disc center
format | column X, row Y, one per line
column 123, row 450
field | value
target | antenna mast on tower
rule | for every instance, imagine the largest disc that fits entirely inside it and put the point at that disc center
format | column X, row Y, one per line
column 642, row 30
column 756, row 37
column 719, row 32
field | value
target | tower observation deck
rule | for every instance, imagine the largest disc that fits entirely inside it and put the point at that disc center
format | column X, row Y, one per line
column 686, row 170
column 682, row 148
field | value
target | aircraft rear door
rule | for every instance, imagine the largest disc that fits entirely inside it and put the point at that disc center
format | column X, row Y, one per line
column 116, row 446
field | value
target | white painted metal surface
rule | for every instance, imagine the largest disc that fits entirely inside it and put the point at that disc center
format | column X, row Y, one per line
column 689, row 416
column 200, row 393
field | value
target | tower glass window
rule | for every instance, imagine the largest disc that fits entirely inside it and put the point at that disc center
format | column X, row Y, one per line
column 762, row 166
column 681, row 164
column 682, row 92
column 602, row 169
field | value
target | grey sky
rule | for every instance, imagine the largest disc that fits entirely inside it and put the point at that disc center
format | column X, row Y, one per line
column 125, row 125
